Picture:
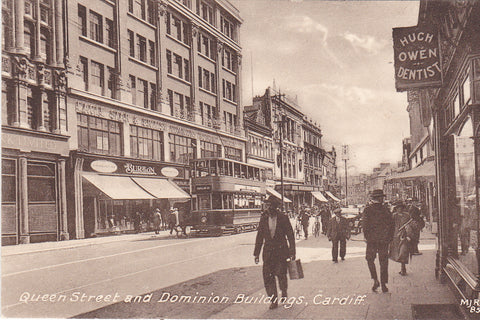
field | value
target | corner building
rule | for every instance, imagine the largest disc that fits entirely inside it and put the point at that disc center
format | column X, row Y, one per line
column 152, row 85
column 34, row 122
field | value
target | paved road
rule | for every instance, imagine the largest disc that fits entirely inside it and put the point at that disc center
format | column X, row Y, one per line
column 67, row 282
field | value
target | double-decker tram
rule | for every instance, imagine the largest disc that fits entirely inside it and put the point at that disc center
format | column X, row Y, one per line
column 227, row 196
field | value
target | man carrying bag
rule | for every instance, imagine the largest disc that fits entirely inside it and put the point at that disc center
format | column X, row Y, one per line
column 275, row 234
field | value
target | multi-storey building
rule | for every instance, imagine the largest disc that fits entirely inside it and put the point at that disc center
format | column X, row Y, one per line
column 330, row 178
column 152, row 85
column 454, row 106
column 34, row 122
column 258, row 131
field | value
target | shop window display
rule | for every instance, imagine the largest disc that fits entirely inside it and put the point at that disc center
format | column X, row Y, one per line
column 465, row 217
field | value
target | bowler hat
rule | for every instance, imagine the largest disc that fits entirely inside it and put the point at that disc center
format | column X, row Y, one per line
column 377, row 193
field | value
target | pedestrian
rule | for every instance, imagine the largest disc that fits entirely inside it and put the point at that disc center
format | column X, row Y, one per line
column 275, row 234
column 137, row 220
column 338, row 231
column 414, row 212
column 325, row 217
column 173, row 219
column 304, row 218
column 401, row 247
column 378, row 229
column 157, row 220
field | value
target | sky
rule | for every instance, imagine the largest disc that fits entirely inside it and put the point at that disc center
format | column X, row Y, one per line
column 337, row 58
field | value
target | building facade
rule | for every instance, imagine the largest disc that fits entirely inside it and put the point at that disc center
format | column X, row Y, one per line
column 455, row 106
column 259, row 134
column 34, row 122
column 151, row 85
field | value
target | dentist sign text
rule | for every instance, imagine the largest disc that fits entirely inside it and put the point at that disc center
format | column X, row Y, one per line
column 417, row 58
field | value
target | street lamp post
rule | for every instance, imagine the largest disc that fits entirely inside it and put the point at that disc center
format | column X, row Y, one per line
column 345, row 158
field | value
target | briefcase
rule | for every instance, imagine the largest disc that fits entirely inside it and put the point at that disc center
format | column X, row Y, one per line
column 295, row 270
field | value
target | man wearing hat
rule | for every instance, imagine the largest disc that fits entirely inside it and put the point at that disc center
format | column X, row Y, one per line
column 378, row 228
column 414, row 212
column 275, row 234
column 338, row 231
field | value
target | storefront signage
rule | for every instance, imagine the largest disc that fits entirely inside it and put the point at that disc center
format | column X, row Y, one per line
column 241, row 187
column 135, row 169
column 169, row 172
column 417, row 58
column 29, row 143
column 203, row 188
column 103, row 166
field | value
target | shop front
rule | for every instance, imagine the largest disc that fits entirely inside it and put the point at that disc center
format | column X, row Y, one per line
column 117, row 195
column 33, row 186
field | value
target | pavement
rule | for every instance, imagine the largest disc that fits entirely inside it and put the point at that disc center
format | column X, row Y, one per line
column 328, row 291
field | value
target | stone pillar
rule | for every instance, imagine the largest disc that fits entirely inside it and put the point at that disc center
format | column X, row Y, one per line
column 19, row 25
column 58, row 41
column 162, row 98
column 41, row 109
column 23, row 203
column 218, row 69
column 239, row 96
column 38, row 26
column 193, row 75
column 78, row 189
column 62, row 191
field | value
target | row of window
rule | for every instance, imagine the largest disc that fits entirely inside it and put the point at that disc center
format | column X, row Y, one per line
column 313, row 159
column 230, row 121
column 178, row 66
column 207, row 46
column 95, row 28
column 143, row 9
column 209, row 114
column 177, row 28
column 138, row 49
column 229, row 90
column 312, row 138
column 260, row 147
column 144, row 94
column 180, row 105
column 206, row 80
column 95, row 74
column 104, row 136
column 463, row 95
column 224, row 201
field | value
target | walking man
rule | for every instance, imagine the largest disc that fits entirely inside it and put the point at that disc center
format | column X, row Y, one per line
column 274, row 231
column 305, row 217
column 378, row 230
column 338, row 232
column 414, row 212
column 157, row 220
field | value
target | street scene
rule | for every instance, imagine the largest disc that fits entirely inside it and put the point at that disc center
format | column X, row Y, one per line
column 240, row 159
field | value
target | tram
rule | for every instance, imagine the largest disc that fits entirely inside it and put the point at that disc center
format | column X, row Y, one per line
column 227, row 196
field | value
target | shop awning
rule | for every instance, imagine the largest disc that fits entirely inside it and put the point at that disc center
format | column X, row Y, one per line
column 162, row 188
column 319, row 196
column 117, row 187
column 425, row 170
column 332, row 196
column 278, row 195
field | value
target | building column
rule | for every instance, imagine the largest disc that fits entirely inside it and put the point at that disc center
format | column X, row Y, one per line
column 162, row 97
column 193, row 75
column 218, row 68
column 23, row 201
column 239, row 95
column 78, row 189
column 38, row 27
column 62, row 190
column 58, row 41
column 41, row 107
column 19, row 25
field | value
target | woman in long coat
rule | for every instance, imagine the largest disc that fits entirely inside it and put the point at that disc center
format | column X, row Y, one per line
column 401, row 246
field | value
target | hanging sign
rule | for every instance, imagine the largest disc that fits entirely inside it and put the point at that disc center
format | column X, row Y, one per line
column 417, row 58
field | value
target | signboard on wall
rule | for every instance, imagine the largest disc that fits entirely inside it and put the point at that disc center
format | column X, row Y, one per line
column 417, row 58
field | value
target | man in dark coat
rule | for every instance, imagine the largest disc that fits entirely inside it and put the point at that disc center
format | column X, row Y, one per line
column 305, row 219
column 378, row 228
column 414, row 212
column 338, row 231
column 275, row 234
column 325, row 217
